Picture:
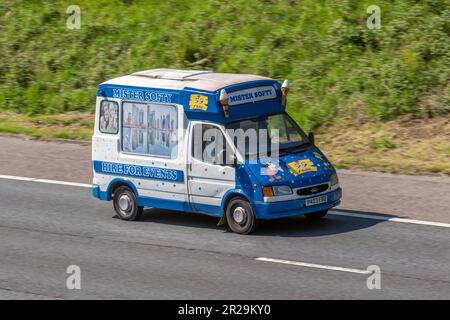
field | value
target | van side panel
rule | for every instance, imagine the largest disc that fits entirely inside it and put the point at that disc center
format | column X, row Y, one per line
column 158, row 182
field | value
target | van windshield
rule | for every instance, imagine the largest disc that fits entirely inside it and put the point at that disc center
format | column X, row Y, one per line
column 267, row 132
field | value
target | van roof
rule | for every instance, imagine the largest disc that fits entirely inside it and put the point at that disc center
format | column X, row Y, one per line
column 180, row 79
column 198, row 91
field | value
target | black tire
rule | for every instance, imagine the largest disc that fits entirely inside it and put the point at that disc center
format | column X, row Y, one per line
column 125, row 204
column 240, row 216
column 316, row 215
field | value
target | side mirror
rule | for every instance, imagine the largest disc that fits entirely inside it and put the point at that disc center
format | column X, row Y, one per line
column 231, row 160
column 225, row 159
column 235, row 160
column 311, row 137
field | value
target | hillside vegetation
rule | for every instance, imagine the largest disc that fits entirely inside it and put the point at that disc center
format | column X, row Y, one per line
column 337, row 66
column 344, row 76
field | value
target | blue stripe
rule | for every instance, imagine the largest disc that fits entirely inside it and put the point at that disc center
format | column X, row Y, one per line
column 139, row 93
column 167, row 204
column 137, row 171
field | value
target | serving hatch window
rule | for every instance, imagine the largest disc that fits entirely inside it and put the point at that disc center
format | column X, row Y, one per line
column 109, row 117
column 150, row 129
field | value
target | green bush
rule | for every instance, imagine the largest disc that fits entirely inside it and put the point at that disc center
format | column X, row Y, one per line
column 383, row 144
column 323, row 47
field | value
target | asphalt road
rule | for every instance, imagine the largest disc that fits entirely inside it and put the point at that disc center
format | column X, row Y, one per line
column 45, row 228
column 414, row 197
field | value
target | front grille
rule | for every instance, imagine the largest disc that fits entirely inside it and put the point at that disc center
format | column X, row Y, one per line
column 312, row 190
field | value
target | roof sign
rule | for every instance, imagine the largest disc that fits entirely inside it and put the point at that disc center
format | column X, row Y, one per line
column 251, row 95
column 142, row 95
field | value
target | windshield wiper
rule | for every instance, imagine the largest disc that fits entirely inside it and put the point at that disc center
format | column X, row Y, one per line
column 300, row 148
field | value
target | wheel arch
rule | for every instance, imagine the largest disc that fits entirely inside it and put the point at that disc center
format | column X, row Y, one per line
column 230, row 195
column 119, row 182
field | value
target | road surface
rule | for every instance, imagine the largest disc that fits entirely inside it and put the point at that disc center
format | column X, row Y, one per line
column 169, row 255
column 46, row 227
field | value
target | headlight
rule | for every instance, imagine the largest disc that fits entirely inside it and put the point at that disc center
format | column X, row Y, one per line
column 276, row 191
column 334, row 179
column 281, row 190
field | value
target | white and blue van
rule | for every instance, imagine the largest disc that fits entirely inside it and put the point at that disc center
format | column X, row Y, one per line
column 152, row 147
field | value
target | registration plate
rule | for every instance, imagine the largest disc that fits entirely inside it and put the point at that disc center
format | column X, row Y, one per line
column 316, row 200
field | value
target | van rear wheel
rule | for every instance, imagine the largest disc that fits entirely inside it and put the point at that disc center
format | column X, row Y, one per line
column 125, row 204
column 240, row 216
column 316, row 215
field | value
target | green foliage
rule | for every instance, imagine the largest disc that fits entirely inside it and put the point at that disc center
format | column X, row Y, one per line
column 383, row 144
column 323, row 47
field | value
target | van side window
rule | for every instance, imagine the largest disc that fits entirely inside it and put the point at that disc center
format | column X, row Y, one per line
column 209, row 145
column 109, row 117
column 150, row 129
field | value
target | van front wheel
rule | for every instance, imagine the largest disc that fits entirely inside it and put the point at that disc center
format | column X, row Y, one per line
column 125, row 204
column 240, row 216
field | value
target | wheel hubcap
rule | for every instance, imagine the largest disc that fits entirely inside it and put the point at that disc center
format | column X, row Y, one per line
column 125, row 203
column 240, row 215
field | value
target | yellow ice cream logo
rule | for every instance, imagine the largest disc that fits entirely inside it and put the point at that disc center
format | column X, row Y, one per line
column 198, row 102
column 301, row 166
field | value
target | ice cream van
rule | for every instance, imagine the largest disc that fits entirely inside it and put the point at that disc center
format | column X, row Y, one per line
column 212, row 143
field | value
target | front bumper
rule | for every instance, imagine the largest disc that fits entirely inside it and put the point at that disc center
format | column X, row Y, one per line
column 293, row 208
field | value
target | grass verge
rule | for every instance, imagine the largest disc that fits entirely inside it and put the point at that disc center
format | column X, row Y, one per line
column 406, row 145
column 73, row 126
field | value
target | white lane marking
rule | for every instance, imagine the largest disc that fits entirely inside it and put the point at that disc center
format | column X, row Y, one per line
column 16, row 178
column 64, row 183
column 335, row 213
column 313, row 265
column 391, row 219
